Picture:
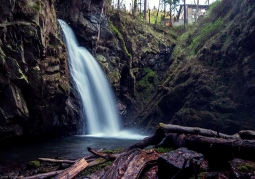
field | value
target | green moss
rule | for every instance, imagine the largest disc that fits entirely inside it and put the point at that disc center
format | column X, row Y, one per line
column 93, row 169
column 207, row 31
column 33, row 164
column 114, row 76
column 108, row 151
column 246, row 168
column 121, row 38
column 147, row 83
column 163, row 150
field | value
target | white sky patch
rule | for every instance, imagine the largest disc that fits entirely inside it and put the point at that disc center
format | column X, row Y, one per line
column 155, row 3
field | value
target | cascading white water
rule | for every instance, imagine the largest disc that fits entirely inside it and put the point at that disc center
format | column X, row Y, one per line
column 96, row 95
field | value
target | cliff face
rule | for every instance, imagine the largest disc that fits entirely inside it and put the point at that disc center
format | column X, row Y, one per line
column 132, row 53
column 34, row 80
column 210, row 82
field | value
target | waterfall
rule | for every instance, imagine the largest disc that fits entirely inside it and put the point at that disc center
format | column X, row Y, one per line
column 96, row 95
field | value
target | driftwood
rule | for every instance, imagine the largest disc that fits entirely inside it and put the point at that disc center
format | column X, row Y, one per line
column 102, row 155
column 163, row 130
column 196, row 130
column 130, row 164
column 73, row 170
column 44, row 175
column 55, row 160
column 226, row 148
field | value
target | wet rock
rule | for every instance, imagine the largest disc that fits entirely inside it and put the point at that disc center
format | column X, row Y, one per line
column 181, row 162
column 242, row 169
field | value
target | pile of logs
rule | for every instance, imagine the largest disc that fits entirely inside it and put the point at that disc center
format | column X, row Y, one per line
column 134, row 162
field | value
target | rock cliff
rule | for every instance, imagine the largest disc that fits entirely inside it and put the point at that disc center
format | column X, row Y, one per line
column 34, row 80
column 210, row 82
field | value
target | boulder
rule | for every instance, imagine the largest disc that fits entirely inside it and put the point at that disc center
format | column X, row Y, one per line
column 181, row 163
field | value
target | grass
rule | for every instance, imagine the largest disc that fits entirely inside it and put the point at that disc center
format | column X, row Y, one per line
column 163, row 150
column 207, row 31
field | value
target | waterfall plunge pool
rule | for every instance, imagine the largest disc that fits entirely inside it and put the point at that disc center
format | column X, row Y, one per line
column 71, row 147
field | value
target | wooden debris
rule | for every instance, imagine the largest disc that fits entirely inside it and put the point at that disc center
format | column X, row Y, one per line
column 99, row 154
column 44, row 175
column 170, row 128
column 130, row 164
column 73, row 170
column 55, row 160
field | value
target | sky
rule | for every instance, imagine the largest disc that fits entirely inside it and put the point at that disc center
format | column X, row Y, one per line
column 153, row 3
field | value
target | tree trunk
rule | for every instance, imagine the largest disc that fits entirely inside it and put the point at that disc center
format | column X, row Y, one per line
column 170, row 14
column 157, row 13
column 44, row 175
column 145, row 10
column 130, row 164
column 170, row 128
column 55, row 160
column 118, row 5
column 184, row 8
column 149, row 16
column 197, row 10
column 73, row 170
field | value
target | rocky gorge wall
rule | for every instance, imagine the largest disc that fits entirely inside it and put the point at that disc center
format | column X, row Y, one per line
column 210, row 82
column 133, row 54
column 35, row 97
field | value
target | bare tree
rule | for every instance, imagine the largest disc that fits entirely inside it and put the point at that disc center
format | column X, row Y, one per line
column 145, row 10
column 184, row 15
column 157, row 12
column 197, row 10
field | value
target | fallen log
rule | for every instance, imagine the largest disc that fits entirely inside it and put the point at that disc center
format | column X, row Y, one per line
column 164, row 129
column 152, row 140
column 110, row 157
column 130, row 164
column 44, row 175
column 72, row 171
column 247, row 134
column 170, row 128
column 226, row 148
column 55, row 160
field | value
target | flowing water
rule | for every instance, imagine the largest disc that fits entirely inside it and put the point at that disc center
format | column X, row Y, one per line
column 99, row 106
column 96, row 95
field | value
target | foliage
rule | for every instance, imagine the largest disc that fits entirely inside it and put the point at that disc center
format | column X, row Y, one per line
column 146, row 84
column 163, row 150
column 246, row 168
column 206, row 32
column 33, row 164
column 121, row 38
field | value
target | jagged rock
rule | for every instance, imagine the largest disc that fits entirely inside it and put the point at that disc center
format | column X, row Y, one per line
column 34, row 79
column 242, row 169
column 181, row 163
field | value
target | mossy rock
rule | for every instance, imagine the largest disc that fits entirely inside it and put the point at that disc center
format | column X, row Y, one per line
column 101, row 58
column 34, row 164
column 114, row 76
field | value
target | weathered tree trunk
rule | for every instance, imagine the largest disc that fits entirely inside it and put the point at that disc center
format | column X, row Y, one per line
column 44, row 175
column 55, row 160
column 102, row 155
column 145, row 10
column 185, row 18
column 157, row 13
column 197, row 10
column 195, row 130
column 130, row 164
column 202, row 140
column 73, row 170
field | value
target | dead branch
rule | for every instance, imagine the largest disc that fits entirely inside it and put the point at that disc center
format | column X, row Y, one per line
column 73, row 170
